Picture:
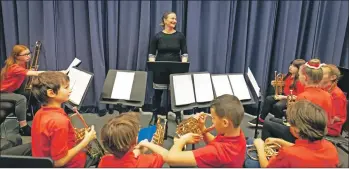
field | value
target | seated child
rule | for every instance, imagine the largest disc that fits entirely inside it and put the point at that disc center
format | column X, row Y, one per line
column 227, row 149
column 53, row 134
column 308, row 125
column 119, row 137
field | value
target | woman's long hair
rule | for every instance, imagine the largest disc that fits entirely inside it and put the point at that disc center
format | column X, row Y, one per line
column 17, row 49
column 296, row 63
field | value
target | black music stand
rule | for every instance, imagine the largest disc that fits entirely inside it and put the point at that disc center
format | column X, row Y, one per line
column 165, row 69
column 258, row 100
column 80, row 74
column 137, row 93
column 9, row 161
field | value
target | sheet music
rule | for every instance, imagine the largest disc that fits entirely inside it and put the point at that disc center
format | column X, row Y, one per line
column 203, row 87
column 221, row 85
column 79, row 81
column 239, row 86
column 253, row 81
column 123, row 85
column 183, row 90
column 75, row 62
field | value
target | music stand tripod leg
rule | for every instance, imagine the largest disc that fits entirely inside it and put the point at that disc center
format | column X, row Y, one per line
column 256, row 127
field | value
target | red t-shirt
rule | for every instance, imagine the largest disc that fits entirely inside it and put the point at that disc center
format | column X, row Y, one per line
column 304, row 154
column 339, row 102
column 319, row 97
column 129, row 161
column 53, row 135
column 299, row 88
column 222, row 152
column 14, row 78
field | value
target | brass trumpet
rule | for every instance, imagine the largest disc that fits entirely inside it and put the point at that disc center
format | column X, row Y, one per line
column 191, row 125
column 278, row 84
column 270, row 150
column 97, row 152
column 159, row 135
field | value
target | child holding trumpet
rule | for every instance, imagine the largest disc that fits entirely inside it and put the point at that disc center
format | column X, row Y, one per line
column 227, row 149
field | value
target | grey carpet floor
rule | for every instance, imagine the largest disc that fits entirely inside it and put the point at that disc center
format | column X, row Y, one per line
column 98, row 122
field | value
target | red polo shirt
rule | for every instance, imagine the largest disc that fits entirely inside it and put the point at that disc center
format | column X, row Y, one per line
column 288, row 82
column 319, row 97
column 304, row 154
column 14, row 78
column 339, row 102
column 129, row 161
column 53, row 135
column 222, row 152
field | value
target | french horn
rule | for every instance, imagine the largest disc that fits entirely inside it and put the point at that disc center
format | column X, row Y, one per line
column 270, row 150
column 191, row 125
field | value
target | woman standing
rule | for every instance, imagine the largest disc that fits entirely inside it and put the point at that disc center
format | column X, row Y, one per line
column 167, row 45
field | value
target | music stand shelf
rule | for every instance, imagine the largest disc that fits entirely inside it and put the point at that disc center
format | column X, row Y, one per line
column 137, row 93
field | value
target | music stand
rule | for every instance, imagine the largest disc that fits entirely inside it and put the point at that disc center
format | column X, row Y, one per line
column 165, row 69
column 257, row 95
column 9, row 161
column 137, row 93
column 80, row 81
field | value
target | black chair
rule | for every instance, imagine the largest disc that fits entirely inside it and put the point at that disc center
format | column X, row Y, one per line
column 6, row 112
column 7, row 161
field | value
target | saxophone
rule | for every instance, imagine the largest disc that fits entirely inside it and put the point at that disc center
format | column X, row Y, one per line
column 33, row 65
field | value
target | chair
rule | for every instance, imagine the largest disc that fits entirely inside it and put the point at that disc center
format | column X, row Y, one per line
column 7, row 110
column 7, row 161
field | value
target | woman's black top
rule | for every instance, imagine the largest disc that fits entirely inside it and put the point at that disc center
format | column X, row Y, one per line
column 169, row 46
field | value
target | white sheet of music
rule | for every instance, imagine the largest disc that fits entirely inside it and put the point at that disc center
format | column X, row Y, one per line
column 75, row 62
column 221, row 85
column 79, row 81
column 239, row 86
column 203, row 87
column 123, row 85
column 253, row 81
column 183, row 89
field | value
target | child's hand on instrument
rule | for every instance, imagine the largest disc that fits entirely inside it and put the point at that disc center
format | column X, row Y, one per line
column 258, row 143
column 191, row 138
column 90, row 135
column 271, row 140
column 142, row 146
column 201, row 117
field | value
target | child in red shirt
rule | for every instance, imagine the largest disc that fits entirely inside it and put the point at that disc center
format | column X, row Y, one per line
column 277, row 104
column 226, row 150
column 119, row 138
column 310, row 75
column 339, row 101
column 311, row 150
column 12, row 76
column 53, row 134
